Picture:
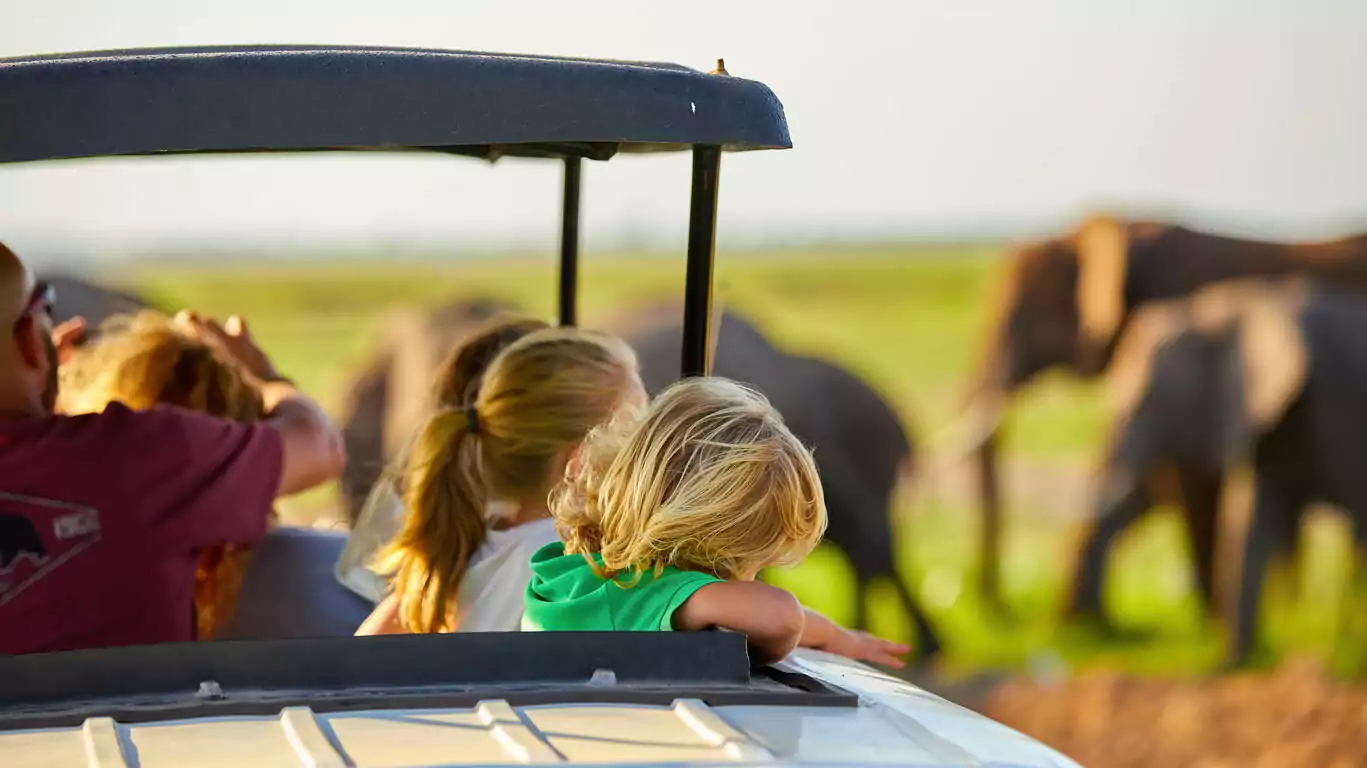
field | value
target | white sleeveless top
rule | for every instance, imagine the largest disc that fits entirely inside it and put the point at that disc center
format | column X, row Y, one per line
column 491, row 592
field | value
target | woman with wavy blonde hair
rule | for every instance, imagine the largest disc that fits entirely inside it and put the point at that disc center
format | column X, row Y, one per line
column 668, row 518
column 476, row 479
column 147, row 360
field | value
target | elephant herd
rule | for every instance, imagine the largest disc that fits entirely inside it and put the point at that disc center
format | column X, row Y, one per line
column 1234, row 368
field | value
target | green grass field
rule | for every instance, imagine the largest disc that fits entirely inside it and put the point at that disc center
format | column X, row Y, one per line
column 911, row 322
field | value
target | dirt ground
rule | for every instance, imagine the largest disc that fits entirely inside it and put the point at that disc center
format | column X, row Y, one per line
column 1295, row 716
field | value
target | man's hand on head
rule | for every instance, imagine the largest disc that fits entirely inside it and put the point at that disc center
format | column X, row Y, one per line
column 233, row 338
column 313, row 450
column 67, row 336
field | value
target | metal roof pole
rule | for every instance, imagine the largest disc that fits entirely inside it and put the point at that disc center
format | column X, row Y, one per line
column 569, row 243
column 702, row 239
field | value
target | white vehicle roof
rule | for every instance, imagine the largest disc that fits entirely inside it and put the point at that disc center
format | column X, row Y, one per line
column 886, row 722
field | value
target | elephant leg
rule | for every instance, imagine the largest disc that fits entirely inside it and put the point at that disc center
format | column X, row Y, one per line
column 1348, row 626
column 1283, row 567
column 927, row 639
column 1201, row 507
column 990, row 533
column 861, row 602
column 1123, row 500
column 878, row 563
column 363, row 426
column 1254, row 525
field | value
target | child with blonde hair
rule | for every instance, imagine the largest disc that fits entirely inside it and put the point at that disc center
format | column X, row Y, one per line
column 668, row 518
column 478, row 475
column 146, row 360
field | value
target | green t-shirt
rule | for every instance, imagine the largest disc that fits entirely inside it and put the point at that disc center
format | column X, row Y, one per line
column 566, row 595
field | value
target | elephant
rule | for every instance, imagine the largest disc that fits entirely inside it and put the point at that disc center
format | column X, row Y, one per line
column 77, row 297
column 387, row 396
column 1064, row 302
column 1256, row 382
column 861, row 447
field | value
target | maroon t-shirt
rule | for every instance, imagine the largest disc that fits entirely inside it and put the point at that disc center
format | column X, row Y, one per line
column 101, row 517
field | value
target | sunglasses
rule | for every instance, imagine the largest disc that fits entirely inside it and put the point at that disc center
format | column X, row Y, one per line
column 44, row 298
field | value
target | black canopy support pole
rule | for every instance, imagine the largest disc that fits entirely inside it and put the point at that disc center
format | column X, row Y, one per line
column 569, row 244
column 702, row 239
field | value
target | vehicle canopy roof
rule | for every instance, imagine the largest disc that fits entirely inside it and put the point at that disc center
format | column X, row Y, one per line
column 255, row 98
column 301, row 98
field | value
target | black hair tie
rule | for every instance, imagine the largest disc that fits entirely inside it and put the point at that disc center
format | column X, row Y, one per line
column 472, row 420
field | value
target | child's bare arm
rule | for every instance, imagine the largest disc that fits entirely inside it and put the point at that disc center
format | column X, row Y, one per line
column 817, row 630
column 384, row 620
column 776, row 623
column 823, row 634
column 770, row 617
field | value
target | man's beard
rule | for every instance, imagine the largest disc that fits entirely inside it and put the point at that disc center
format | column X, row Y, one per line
column 51, row 386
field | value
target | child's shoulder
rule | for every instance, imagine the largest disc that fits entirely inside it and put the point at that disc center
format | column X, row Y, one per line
column 549, row 551
column 650, row 603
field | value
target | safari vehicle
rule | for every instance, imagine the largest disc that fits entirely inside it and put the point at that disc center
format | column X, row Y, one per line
column 461, row 699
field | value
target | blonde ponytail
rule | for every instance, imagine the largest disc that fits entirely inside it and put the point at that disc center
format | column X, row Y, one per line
column 444, row 525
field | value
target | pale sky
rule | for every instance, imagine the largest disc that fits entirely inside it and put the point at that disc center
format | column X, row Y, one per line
column 907, row 117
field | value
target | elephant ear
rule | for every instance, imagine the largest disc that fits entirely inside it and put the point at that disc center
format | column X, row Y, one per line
column 1275, row 360
column 1128, row 376
column 1102, row 255
column 1267, row 364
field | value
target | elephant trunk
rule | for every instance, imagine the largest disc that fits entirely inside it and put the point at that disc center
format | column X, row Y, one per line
column 990, row 532
column 1121, row 499
column 1001, row 371
column 980, row 434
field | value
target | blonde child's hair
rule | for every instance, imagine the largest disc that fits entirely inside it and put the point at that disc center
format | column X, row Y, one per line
column 144, row 360
column 709, row 479
column 538, row 399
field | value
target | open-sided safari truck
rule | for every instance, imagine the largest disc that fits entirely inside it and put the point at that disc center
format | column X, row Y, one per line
column 460, row 699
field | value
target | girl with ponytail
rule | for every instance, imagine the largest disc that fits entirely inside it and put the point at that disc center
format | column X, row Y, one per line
column 382, row 514
column 476, row 480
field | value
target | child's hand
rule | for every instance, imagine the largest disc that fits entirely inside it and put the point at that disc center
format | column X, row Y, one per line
column 861, row 646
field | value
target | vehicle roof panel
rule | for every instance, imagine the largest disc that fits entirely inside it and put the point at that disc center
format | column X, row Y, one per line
column 895, row 724
column 310, row 98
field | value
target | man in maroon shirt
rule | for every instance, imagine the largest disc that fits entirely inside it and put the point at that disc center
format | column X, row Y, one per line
column 101, row 515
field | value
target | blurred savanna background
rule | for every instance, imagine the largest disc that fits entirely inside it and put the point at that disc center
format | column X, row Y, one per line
column 910, row 321
column 930, row 140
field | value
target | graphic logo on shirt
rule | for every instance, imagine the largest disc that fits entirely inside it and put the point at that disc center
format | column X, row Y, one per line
column 37, row 536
